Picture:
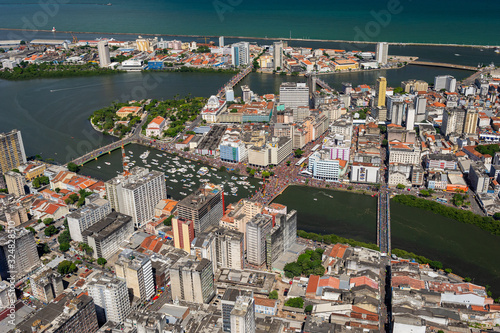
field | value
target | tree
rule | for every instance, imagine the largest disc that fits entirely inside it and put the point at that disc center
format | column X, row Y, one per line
column 85, row 247
column 31, row 229
column 266, row 174
column 48, row 221
column 73, row 167
column 50, row 230
column 425, row 193
column 43, row 248
column 308, row 309
column 288, row 163
column 295, row 302
column 57, row 190
column 63, row 247
column 64, row 237
column 168, row 221
column 66, row 267
column 101, row 262
column 400, row 187
column 467, row 279
column 222, row 169
column 448, row 270
column 273, row 294
column 298, row 153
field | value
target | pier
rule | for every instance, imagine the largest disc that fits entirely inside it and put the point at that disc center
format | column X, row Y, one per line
column 444, row 65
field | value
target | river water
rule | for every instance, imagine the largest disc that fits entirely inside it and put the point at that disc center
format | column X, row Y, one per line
column 465, row 248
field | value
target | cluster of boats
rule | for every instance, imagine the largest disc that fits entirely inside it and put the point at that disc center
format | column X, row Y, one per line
column 188, row 174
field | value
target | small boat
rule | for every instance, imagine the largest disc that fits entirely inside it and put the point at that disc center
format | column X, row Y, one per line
column 183, row 193
column 98, row 167
column 457, row 55
column 53, row 29
column 315, row 199
column 174, row 180
column 148, row 165
column 107, row 163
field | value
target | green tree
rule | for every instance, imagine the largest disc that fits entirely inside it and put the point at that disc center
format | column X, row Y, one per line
column 222, row 169
column 31, row 229
column 66, row 267
column 298, row 152
column 50, row 230
column 101, row 262
column 273, row 294
column 425, row 193
column 400, row 186
column 288, row 163
column 63, row 247
column 48, row 221
column 448, row 270
column 85, row 247
column 168, row 221
column 308, row 309
column 73, row 167
column 64, row 237
column 295, row 302
column 266, row 174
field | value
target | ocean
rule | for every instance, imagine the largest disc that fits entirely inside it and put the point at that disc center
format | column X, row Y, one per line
column 424, row 21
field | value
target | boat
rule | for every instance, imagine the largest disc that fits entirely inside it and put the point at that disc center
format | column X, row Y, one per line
column 53, row 29
column 234, row 178
column 158, row 155
column 315, row 199
column 144, row 155
column 107, row 163
column 203, row 171
column 183, row 193
column 130, row 152
column 174, row 180
column 497, row 50
column 98, row 167
column 148, row 165
column 457, row 55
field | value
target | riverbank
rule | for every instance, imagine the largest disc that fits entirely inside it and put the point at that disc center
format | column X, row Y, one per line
column 256, row 38
column 45, row 70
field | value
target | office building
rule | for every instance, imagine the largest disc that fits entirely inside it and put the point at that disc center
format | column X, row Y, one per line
column 413, row 86
column 273, row 152
column 136, row 193
column 223, row 247
column 404, row 153
column 46, row 285
column 282, row 235
column 380, row 91
column 471, row 121
column 243, row 315
column 105, row 236
column 453, row 121
column 12, row 152
column 410, row 118
column 446, row 82
column 240, row 54
column 95, row 210
column 228, row 302
column 322, row 167
column 278, row 55
column 192, row 280
column 257, row 229
column 183, row 231
column 135, row 268
column 25, row 250
column 111, row 298
column 221, row 41
column 144, row 45
column 229, row 94
column 382, row 53
column 103, row 50
column 68, row 314
column 15, row 183
column 233, row 150
column 204, row 207
column 479, row 177
column 294, row 94
column 420, row 108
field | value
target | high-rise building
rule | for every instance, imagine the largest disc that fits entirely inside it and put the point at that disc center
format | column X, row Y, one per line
column 278, row 55
column 105, row 236
column 410, row 118
column 95, row 210
column 447, row 82
column 192, row 280
column 68, row 314
column 227, row 305
column 223, row 247
column 135, row 268
column 15, row 183
column 204, row 207
column 243, row 315
column 111, row 298
column 471, row 121
column 380, row 91
column 137, row 193
column 46, row 284
column 453, row 121
column 221, row 41
column 24, row 249
column 382, row 53
column 397, row 112
column 240, row 54
column 257, row 229
column 183, row 231
column 12, row 152
column 294, row 94
column 246, row 93
column 103, row 50
column 420, row 107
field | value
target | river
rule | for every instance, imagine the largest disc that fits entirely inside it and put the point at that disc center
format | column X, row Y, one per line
column 466, row 249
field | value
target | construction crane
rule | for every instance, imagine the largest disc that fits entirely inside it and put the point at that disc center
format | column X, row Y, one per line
column 75, row 39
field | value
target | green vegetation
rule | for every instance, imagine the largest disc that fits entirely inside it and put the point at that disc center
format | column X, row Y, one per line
column 426, row 193
column 41, row 181
column 30, row 229
column 296, row 302
column 307, row 263
column 50, row 230
column 168, row 221
column 105, row 120
column 64, row 238
column 400, row 187
column 71, row 199
column 64, row 247
column 273, row 294
column 398, row 90
column 46, row 70
column 308, row 309
column 363, row 113
column 486, row 223
column 288, row 163
column 298, row 153
column 460, row 200
column 43, row 248
column 333, row 239
column 73, row 167
column 66, row 267
column 121, row 58
column 488, row 149
column 86, row 248
column 48, row 221
column 101, row 262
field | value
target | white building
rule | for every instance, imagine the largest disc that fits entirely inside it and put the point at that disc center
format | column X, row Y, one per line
column 447, row 82
column 243, row 315
column 111, row 298
column 232, row 150
column 257, row 230
column 382, row 53
column 322, row 167
column 404, row 153
column 278, row 55
column 213, row 109
column 294, row 94
column 137, row 193
column 192, row 280
column 273, row 152
column 95, row 209
column 25, row 250
column 364, row 173
column 135, row 268
column 240, row 54
column 103, row 50
column 156, row 127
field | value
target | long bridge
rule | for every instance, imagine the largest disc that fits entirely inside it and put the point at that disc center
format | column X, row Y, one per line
column 323, row 84
column 384, row 222
column 234, row 81
column 441, row 64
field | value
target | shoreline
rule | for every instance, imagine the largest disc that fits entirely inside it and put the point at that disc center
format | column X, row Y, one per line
column 260, row 38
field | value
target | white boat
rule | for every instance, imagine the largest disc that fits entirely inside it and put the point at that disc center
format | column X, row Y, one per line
column 174, row 180
column 98, row 167
column 183, row 193
column 158, row 155
column 315, row 199
column 148, row 165
column 130, row 152
column 203, row 171
column 107, row 163
column 144, row 155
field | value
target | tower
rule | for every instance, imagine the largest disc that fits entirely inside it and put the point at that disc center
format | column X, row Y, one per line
column 382, row 52
column 381, row 90
column 103, row 50
column 278, row 55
